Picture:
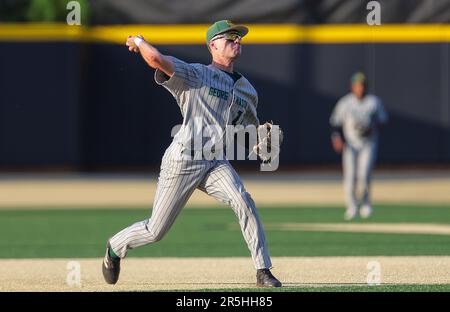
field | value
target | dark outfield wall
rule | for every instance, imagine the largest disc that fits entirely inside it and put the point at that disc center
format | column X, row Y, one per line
column 257, row 11
column 93, row 106
column 118, row 12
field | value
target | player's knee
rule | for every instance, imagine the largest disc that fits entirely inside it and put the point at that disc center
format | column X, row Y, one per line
column 363, row 182
column 159, row 235
column 245, row 200
column 156, row 234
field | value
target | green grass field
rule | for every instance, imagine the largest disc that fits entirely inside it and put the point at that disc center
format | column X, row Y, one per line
column 81, row 233
column 214, row 233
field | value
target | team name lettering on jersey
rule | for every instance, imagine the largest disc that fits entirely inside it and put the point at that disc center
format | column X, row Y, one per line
column 218, row 93
column 241, row 102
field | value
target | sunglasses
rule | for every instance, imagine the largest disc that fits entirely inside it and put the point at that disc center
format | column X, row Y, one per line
column 229, row 37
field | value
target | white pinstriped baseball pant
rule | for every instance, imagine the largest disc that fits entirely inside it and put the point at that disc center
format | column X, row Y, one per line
column 177, row 181
column 357, row 166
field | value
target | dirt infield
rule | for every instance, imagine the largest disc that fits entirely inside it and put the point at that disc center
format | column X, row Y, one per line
column 396, row 228
column 79, row 193
column 145, row 274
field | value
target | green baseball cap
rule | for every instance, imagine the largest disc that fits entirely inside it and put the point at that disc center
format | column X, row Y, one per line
column 358, row 77
column 224, row 26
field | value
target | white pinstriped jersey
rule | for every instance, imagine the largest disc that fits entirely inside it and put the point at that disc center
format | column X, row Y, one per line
column 207, row 96
column 356, row 117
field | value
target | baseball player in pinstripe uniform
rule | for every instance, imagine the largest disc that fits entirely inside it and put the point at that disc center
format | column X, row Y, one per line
column 355, row 120
column 210, row 95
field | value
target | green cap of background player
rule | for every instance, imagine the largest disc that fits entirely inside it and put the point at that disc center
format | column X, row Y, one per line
column 224, row 26
column 358, row 77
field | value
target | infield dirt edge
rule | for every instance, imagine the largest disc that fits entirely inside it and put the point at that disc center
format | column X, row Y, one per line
column 167, row 274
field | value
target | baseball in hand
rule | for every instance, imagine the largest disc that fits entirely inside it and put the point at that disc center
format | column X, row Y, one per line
column 133, row 43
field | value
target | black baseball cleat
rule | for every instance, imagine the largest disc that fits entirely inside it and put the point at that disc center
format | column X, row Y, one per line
column 264, row 278
column 110, row 267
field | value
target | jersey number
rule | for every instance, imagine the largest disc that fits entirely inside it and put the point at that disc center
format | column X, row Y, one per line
column 235, row 120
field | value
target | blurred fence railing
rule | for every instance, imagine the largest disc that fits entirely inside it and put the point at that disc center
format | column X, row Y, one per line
column 75, row 97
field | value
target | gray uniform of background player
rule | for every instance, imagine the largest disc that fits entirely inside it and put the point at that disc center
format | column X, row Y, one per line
column 359, row 120
column 194, row 87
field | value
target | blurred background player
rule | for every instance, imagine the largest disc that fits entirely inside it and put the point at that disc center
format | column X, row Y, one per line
column 355, row 120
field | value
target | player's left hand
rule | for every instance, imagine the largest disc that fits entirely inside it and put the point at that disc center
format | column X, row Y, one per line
column 265, row 134
column 364, row 128
column 337, row 143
